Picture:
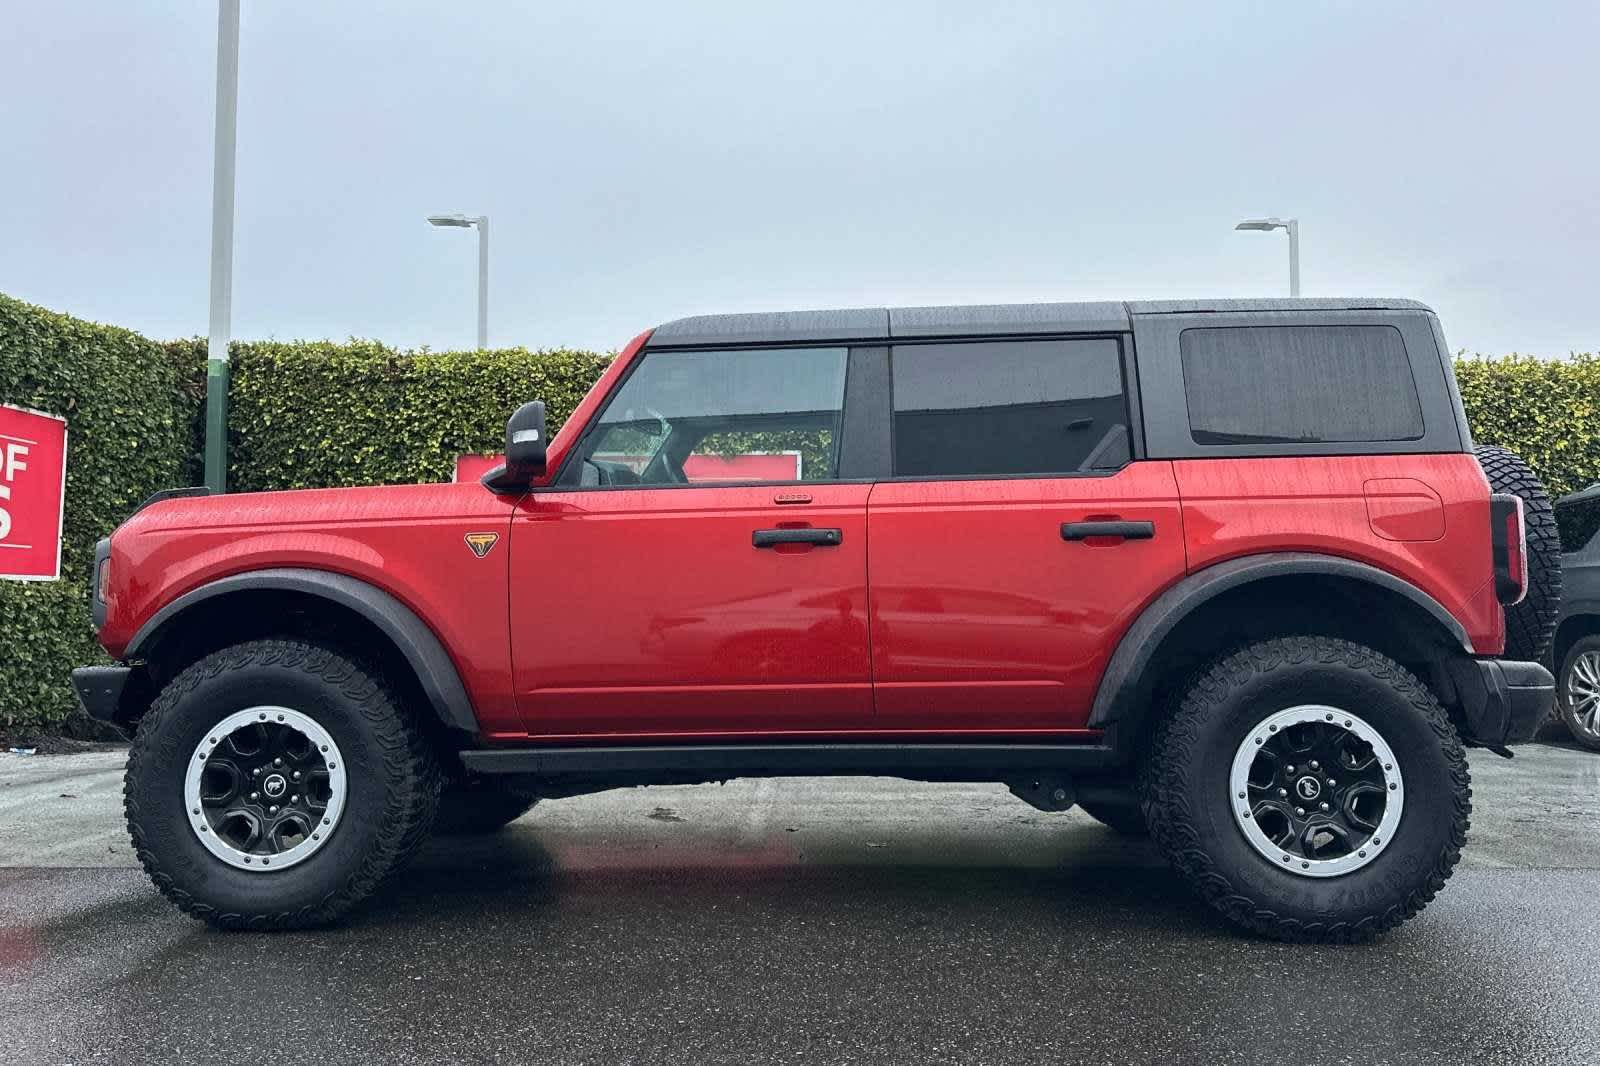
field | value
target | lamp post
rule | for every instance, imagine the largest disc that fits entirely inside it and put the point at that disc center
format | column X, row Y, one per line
column 216, row 447
column 482, row 222
column 1293, row 226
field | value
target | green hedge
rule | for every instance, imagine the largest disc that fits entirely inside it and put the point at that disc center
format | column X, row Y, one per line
column 319, row 414
column 128, row 410
column 1545, row 410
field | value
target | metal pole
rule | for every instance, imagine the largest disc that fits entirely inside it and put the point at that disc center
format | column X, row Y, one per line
column 1294, row 257
column 483, row 282
column 216, row 442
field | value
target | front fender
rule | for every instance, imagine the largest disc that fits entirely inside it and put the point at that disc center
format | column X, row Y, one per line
column 435, row 670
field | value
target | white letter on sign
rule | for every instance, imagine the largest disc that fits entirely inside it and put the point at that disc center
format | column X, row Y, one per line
column 13, row 463
column 5, row 516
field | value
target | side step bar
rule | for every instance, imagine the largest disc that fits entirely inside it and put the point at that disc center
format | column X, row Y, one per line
column 953, row 762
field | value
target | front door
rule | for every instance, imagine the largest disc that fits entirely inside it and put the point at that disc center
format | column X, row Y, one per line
column 1018, row 539
column 698, row 568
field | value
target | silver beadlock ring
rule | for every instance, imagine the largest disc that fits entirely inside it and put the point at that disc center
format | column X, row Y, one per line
column 1259, row 743
column 322, row 757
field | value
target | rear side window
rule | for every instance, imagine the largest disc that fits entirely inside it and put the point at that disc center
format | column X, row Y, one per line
column 1299, row 384
column 999, row 408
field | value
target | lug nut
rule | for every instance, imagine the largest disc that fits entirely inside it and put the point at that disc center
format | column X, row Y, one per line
column 255, row 795
column 1314, row 765
column 1283, row 792
column 1324, row 806
column 1331, row 782
column 272, row 810
column 1301, row 811
column 297, row 775
column 279, row 762
column 1289, row 769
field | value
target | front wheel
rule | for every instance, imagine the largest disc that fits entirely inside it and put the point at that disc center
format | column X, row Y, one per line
column 1309, row 788
column 275, row 784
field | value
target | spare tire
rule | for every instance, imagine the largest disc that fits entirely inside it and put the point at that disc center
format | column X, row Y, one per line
column 1532, row 623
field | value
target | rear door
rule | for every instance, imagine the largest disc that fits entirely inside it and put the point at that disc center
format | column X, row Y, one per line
column 699, row 566
column 1018, row 536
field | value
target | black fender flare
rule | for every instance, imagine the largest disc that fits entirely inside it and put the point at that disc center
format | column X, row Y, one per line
column 435, row 670
column 1118, row 698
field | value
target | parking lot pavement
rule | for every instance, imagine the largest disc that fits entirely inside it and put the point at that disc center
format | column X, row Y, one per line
column 836, row 920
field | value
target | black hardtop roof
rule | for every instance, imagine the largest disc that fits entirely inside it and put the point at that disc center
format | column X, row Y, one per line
column 888, row 323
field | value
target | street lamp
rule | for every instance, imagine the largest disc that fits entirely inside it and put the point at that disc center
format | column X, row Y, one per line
column 1293, row 226
column 216, row 436
column 482, row 222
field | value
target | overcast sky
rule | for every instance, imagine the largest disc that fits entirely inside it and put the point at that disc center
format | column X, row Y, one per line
column 640, row 162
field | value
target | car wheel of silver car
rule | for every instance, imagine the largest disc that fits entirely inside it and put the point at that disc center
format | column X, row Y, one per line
column 1578, row 701
column 276, row 784
column 1309, row 788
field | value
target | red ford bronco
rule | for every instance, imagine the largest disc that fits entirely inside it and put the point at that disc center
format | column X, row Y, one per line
column 1230, row 572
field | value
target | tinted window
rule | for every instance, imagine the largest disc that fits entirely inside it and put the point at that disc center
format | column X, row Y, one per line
column 703, row 417
column 1299, row 384
column 1008, row 407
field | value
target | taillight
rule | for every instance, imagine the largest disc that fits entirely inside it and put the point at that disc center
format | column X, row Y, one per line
column 102, row 581
column 1509, row 541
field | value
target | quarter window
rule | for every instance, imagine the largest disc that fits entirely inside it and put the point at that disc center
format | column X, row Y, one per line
column 690, row 418
column 1299, row 384
column 999, row 408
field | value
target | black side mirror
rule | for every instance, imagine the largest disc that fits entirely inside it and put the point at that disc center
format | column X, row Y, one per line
column 525, row 451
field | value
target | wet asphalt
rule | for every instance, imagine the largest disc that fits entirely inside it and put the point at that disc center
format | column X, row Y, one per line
column 855, row 920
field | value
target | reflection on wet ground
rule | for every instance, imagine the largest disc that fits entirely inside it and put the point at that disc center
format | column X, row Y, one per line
column 864, row 921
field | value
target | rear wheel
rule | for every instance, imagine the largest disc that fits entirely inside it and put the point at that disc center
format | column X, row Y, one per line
column 275, row 784
column 1309, row 788
column 1578, row 698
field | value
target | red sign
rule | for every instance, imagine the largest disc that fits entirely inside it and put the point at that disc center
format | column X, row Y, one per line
column 33, row 482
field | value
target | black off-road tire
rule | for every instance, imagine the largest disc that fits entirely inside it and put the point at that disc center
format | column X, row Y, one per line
column 473, row 806
column 392, row 793
column 1185, row 790
column 1531, row 624
column 1126, row 821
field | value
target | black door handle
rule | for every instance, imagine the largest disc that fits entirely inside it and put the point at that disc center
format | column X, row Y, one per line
column 822, row 538
column 1125, row 530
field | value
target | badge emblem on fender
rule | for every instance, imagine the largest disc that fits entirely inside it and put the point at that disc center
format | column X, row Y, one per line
column 480, row 543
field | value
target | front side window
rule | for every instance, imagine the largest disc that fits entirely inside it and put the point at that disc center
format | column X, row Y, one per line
column 1008, row 408
column 696, row 418
column 1299, row 385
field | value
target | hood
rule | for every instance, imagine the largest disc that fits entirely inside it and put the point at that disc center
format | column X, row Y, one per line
column 314, row 507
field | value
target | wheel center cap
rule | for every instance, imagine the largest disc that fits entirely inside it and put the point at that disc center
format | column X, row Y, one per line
column 1308, row 787
column 275, row 786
